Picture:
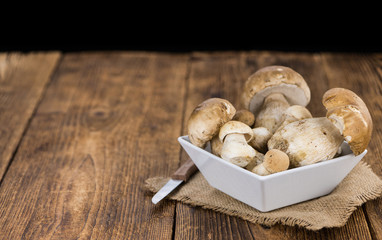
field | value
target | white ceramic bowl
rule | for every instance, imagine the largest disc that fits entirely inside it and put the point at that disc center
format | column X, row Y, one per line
column 267, row 193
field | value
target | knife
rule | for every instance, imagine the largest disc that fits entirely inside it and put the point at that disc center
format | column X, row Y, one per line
column 181, row 175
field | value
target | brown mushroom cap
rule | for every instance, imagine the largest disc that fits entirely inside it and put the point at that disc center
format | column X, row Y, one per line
column 245, row 116
column 276, row 161
column 273, row 79
column 351, row 116
column 207, row 118
column 232, row 127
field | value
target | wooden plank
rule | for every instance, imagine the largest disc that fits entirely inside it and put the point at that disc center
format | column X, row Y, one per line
column 108, row 121
column 363, row 75
column 311, row 67
column 349, row 231
column 222, row 75
column 211, row 75
column 23, row 79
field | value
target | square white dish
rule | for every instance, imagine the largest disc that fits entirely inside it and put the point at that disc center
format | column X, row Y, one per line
column 266, row 193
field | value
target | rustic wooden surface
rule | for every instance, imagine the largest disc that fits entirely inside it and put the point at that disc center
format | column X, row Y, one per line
column 80, row 132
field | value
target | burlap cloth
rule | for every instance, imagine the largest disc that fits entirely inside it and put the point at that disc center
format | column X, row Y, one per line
column 332, row 210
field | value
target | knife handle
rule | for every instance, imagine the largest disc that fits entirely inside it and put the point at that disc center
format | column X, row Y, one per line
column 185, row 171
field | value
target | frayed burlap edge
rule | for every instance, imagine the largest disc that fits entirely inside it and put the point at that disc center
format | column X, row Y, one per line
column 255, row 216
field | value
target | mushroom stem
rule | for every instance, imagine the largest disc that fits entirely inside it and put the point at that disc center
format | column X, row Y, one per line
column 261, row 170
column 307, row 141
column 236, row 150
column 271, row 113
column 261, row 135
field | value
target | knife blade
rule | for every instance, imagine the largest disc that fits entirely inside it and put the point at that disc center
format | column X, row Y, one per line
column 183, row 173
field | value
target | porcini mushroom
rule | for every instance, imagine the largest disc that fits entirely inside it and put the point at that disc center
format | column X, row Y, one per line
column 350, row 115
column 270, row 91
column 316, row 139
column 274, row 161
column 235, row 136
column 244, row 116
column 207, row 118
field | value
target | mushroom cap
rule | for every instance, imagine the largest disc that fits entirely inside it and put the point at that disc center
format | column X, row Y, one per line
column 273, row 161
column 351, row 116
column 273, row 79
column 207, row 118
column 235, row 127
column 244, row 116
column 276, row 161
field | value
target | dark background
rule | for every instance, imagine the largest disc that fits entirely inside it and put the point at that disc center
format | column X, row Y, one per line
column 175, row 47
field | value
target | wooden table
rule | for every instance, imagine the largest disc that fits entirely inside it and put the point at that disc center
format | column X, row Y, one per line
column 80, row 133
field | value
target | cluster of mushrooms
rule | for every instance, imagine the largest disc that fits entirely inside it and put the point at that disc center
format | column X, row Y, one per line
column 276, row 132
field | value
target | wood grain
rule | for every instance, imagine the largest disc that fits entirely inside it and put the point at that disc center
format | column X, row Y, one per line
column 211, row 75
column 23, row 79
column 363, row 75
column 107, row 122
column 311, row 67
column 222, row 75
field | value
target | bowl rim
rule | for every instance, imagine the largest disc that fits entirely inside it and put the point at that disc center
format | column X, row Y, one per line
column 186, row 140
